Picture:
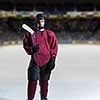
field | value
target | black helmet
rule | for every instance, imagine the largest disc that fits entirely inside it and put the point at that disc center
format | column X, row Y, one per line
column 39, row 16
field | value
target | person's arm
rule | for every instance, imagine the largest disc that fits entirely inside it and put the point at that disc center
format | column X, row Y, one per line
column 28, row 45
column 53, row 52
column 53, row 46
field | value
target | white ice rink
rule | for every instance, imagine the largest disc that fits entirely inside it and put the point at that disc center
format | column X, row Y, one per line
column 76, row 76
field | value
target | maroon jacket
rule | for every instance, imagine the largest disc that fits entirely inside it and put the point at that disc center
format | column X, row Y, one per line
column 47, row 42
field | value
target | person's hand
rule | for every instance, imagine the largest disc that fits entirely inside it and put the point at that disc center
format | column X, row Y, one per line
column 51, row 65
column 35, row 48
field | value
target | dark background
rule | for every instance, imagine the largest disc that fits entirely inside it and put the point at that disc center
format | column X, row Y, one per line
column 67, row 27
column 49, row 4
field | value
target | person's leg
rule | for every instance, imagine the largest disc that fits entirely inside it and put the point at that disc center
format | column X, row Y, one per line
column 43, row 89
column 32, row 79
column 31, row 89
column 44, row 78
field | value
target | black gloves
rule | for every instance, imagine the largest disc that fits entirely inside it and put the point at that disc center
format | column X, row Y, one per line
column 51, row 65
column 35, row 48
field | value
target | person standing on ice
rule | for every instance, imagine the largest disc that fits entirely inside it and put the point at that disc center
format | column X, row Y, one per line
column 43, row 55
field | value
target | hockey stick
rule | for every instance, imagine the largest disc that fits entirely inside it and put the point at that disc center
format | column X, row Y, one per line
column 27, row 28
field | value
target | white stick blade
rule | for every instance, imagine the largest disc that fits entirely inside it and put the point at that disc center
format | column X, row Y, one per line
column 27, row 28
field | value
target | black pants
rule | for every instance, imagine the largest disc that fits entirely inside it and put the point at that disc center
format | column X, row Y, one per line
column 37, row 73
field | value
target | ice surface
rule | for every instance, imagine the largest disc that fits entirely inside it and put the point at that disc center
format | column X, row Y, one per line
column 76, row 76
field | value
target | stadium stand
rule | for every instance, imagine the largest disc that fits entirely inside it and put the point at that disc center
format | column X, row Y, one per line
column 77, row 20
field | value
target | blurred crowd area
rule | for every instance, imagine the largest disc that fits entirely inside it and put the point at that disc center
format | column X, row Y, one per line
column 67, row 30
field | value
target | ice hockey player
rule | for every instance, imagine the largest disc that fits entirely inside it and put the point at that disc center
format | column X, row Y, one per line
column 43, row 53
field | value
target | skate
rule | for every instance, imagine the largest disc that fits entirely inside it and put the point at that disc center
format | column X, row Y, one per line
column 44, row 99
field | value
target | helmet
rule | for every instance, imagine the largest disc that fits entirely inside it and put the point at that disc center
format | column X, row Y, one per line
column 39, row 16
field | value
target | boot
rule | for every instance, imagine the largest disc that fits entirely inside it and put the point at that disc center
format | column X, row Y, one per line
column 44, row 99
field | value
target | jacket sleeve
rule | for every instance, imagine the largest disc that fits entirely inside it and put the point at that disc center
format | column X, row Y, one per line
column 26, row 45
column 53, row 45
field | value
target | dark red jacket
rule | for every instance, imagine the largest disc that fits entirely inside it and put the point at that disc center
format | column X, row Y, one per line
column 47, row 42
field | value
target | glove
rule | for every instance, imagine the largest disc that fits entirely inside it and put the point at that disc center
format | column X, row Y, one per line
column 51, row 65
column 35, row 48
